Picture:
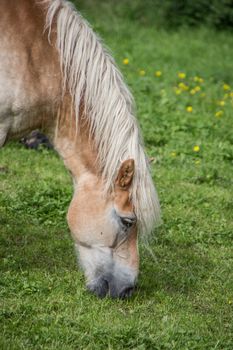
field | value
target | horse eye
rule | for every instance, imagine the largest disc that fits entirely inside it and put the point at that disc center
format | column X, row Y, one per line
column 127, row 222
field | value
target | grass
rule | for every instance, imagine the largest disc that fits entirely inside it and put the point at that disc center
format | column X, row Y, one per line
column 185, row 294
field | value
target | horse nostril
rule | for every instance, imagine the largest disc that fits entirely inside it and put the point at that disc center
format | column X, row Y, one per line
column 99, row 287
column 126, row 292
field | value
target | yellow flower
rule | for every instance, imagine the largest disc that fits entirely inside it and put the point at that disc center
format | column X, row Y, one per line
column 125, row 61
column 178, row 91
column 226, row 87
column 229, row 302
column 197, row 88
column 196, row 148
column 158, row 73
column 198, row 161
column 231, row 94
column 189, row 109
column 221, row 103
column 142, row 72
column 198, row 80
column 219, row 114
column 173, row 154
column 181, row 75
column 183, row 86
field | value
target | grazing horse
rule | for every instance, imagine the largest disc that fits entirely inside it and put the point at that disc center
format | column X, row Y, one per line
column 56, row 75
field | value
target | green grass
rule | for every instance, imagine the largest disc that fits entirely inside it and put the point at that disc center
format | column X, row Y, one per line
column 185, row 294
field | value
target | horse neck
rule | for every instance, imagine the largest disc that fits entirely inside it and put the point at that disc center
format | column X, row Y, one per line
column 74, row 143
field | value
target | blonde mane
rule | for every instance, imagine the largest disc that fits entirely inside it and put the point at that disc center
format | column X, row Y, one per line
column 92, row 77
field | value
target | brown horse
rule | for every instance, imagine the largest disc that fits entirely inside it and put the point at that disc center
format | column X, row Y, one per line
column 56, row 75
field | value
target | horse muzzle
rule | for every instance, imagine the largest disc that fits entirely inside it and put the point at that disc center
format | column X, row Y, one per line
column 108, row 286
column 105, row 275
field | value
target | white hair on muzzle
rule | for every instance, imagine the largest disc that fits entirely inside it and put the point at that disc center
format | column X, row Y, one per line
column 93, row 78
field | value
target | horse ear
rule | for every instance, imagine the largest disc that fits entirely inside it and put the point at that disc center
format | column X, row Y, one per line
column 125, row 174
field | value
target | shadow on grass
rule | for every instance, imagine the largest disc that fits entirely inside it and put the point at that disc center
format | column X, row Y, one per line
column 25, row 246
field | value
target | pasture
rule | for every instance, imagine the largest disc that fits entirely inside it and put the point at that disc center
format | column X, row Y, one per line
column 183, row 85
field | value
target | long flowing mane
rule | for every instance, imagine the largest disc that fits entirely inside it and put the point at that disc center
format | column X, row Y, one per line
column 92, row 77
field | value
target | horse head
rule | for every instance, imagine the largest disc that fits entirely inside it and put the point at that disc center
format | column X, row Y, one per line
column 104, row 229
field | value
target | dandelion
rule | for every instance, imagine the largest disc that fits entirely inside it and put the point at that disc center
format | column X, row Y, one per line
column 231, row 94
column 196, row 148
column 198, row 161
column 226, row 87
column 158, row 73
column 229, row 302
column 219, row 114
column 181, row 75
column 183, row 86
column 194, row 90
column 197, row 88
column 173, row 154
column 221, row 103
column 189, row 109
column 178, row 91
column 198, row 80
column 142, row 72
column 125, row 61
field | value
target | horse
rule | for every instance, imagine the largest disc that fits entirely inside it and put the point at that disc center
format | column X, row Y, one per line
column 57, row 76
